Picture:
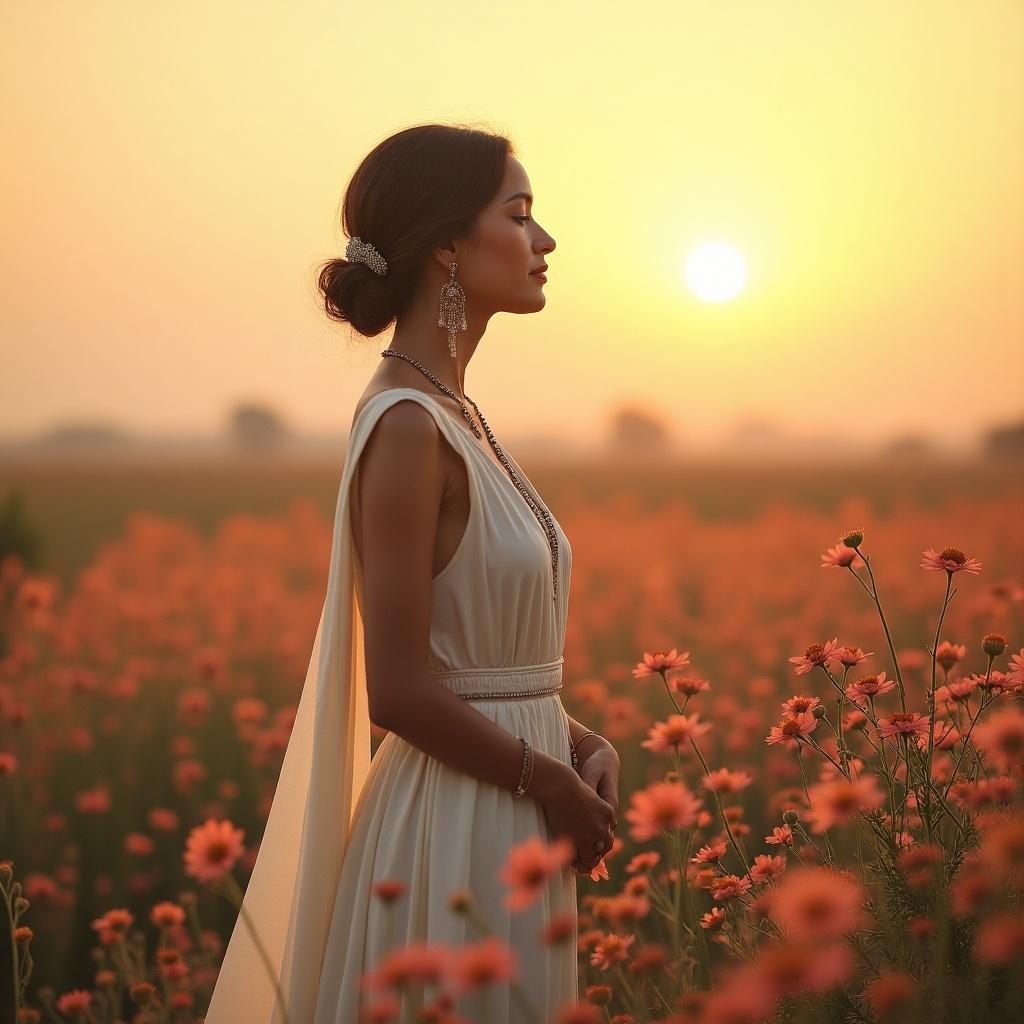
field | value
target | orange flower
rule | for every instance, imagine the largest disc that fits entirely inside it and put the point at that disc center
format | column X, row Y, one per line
column 212, row 849
column 417, row 963
column 725, row 781
column 798, row 704
column 947, row 654
column 725, row 887
column 1000, row 940
column 660, row 662
column 949, row 559
column 793, row 728
column 611, row 948
column 903, row 723
column 869, row 686
column 528, row 867
column 1002, row 737
column 839, row 557
column 661, row 806
column 767, row 868
column 674, row 732
column 75, row 1003
column 816, row 655
column 891, row 991
column 839, row 801
column 713, row 920
column 815, row 903
column 782, row 835
column 487, row 962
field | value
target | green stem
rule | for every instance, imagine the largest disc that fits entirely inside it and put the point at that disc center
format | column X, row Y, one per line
column 235, row 895
column 873, row 594
column 931, row 711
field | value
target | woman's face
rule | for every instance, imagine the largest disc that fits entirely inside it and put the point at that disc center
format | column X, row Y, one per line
column 495, row 272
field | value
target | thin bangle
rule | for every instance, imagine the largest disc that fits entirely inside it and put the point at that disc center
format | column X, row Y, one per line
column 576, row 745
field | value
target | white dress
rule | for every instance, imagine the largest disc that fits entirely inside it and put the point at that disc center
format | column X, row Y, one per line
column 410, row 817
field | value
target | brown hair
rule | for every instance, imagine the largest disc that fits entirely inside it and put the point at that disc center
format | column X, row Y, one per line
column 417, row 189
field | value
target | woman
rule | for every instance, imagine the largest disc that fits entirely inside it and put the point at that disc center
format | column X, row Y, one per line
column 444, row 623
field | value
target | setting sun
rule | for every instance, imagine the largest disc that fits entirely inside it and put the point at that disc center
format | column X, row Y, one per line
column 716, row 271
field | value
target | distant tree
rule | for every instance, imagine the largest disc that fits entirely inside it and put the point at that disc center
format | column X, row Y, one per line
column 1005, row 442
column 909, row 446
column 638, row 431
column 255, row 426
column 83, row 434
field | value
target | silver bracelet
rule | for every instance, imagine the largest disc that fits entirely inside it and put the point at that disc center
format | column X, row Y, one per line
column 526, row 772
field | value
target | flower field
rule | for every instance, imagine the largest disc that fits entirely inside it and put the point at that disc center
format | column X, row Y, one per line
column 819, row 715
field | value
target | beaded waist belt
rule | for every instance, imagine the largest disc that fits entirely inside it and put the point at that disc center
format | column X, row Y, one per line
column 522, row 681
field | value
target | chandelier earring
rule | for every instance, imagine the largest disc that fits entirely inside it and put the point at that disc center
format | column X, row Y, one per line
column 452, row 312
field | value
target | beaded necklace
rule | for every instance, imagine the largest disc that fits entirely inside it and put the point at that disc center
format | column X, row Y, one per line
column 541, row 513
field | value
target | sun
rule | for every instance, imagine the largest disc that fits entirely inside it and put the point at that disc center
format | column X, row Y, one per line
column 716, row 271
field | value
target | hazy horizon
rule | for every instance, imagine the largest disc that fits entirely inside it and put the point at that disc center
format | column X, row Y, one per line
column 178, row 175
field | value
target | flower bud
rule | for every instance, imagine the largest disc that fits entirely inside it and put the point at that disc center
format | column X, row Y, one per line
column 790, row 817
column 819, row 712
column 460, row 901
column 993, row 644
column 853, row 538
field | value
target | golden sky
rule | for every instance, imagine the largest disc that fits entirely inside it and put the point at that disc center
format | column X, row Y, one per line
column 173, row 173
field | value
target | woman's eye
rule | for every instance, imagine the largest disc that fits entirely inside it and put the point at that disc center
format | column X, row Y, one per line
column 522, row 220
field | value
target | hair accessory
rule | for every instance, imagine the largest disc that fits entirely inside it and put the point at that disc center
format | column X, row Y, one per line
column 358, row 251
column 452, row 313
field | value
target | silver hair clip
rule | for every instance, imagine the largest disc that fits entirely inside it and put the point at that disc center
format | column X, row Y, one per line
column 363, row 252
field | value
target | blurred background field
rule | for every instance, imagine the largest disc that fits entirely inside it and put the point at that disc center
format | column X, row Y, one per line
column 156, row 653
column 80, row 501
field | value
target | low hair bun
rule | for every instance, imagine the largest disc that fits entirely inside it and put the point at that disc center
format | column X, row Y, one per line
column 354, row 294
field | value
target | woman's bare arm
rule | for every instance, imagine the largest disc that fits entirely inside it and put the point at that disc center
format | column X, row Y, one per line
column 402, row 483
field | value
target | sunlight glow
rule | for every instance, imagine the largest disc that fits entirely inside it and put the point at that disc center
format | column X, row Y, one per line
column 716, row 271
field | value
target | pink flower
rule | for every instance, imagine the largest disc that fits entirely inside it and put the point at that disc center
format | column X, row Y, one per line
column 839, row 801
column 725, row 887
column 767, row 868
column 674, row 732
column 797, row 705
column 947, row 654
column 610, row 948
column 488, row 961
column 212, row 849
column 850, row 656
column 725, row 781
column 816, row 655
column 869, row 686
column 782, row 835
column 1016, row 673
column 710, row 854
column 793, row 727
column 816, row 903
column 904, row 723
column 528, row 867
column 713, row 920
column 661, row 806
column 839, row 557
column 1001, row 737
column 951, row 560
column 660, row 662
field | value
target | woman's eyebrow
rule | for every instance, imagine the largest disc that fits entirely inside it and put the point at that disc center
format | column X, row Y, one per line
column 518, row 195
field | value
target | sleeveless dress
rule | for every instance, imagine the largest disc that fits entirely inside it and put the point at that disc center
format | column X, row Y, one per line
column 340, row 820
column 495, row 630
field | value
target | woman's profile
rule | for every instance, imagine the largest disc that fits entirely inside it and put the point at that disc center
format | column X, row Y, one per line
column 444, row 623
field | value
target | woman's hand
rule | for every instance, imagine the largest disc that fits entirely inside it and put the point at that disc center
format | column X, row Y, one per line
column 600, row 771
